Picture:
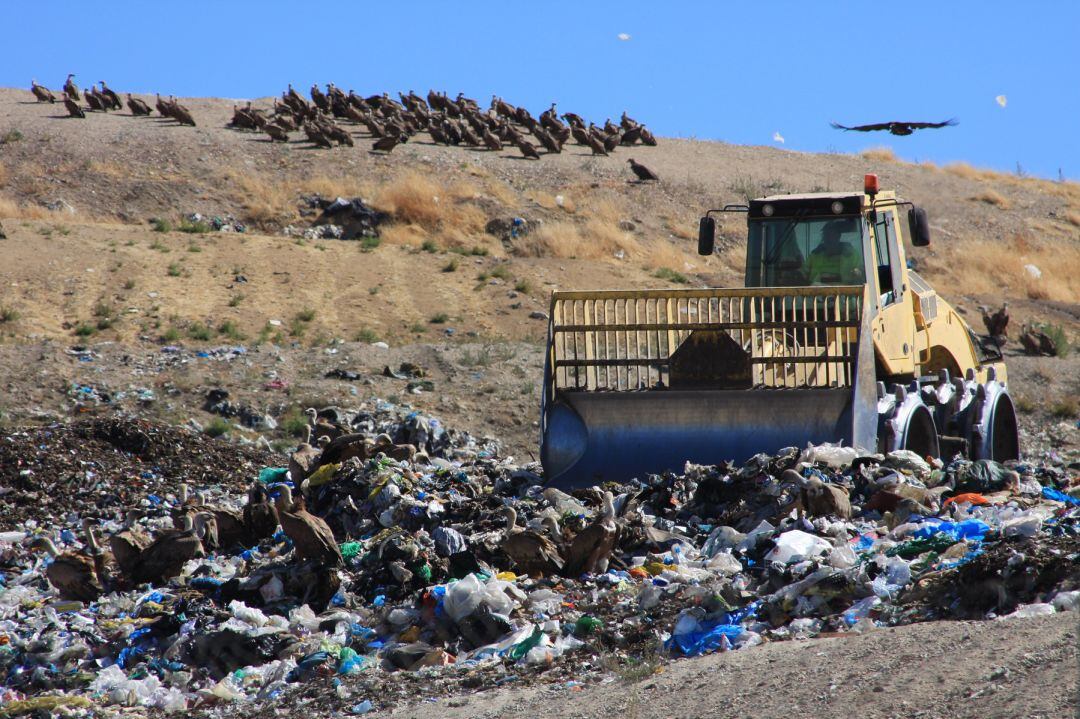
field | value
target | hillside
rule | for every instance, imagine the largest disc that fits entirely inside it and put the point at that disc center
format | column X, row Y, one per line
column 98, row 270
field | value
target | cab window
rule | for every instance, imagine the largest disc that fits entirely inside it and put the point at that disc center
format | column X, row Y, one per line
column 796, row 252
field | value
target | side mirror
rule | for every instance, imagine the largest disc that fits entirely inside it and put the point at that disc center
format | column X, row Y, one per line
column 920, row 227
column 706, row 238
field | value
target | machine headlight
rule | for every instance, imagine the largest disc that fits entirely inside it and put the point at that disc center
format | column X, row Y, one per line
column 837, row 207
column 768, row 210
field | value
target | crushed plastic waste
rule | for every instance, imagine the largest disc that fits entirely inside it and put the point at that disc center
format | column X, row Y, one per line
column 400, row 553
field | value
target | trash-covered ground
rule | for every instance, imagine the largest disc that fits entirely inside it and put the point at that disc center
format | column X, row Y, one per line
column 412, row 584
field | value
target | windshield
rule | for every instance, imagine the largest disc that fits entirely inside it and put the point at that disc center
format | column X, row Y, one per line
column 793, row 252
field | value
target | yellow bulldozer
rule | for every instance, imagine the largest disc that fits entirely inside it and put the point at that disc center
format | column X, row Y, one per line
column 833, row 339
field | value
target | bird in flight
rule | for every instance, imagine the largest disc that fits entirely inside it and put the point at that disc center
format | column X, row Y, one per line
column 896, row 128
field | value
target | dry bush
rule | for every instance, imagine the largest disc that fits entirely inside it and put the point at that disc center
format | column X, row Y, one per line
column 992, row 197
column 1073, row 218
column 400, row 234
column 3, row 174
column 971, row 265
column 879, row 154
column 333, row 187
column 966, row 171
column 412, row 198
column 264, row 200
column 592, row 240
column 9, row 209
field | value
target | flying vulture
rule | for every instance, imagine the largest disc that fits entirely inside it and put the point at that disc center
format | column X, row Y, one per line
column 896, row 128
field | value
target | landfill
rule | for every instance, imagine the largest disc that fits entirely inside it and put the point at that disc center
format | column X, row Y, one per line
column 409, row 559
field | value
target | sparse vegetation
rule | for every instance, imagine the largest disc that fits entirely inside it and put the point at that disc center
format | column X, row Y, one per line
column 992, row 197
column 429, row 246
column 236, row 299
column 417, row 328
column 501, row 271
column 199, row 332
column 171, row 334
column 174, row 270
column 366, row 334
column 451, row 266
column 229, row 329
column 293, row 423
column 101, row 309
column 11, row 136
column 8, row 314
column 194, row 248
column 129, row 284
column 747, row 188
column 367, row 244
column 84, row 330
column 104, row 323
column 1057, row 334
column 879, row 154
column 194, row 228
column 217, row 427
column 1023, row 404
column 159, row 224
column 523, row 287
column 487, row 355
column 1065, row 408
column 439, row 319
column 666, row 273
column 305, row 315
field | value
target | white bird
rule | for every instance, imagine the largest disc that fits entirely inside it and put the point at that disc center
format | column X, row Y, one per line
column 777, row 137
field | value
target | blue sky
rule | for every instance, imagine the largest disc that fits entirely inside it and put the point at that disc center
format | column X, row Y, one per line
column 737, row 72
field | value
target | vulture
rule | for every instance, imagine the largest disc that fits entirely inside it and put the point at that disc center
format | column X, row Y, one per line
column 94, row 101
column 643, row 173
column 528, row 149
column 129, row 542
column 229, row 526
column 339, row 135
column 316, row 135
column 532, row 552
column 73, row 107
column 163, row 107
column 1037, row 342
column 109, row 97
column 490, row 141
column 592, row 547
column 305, row 459
column 819, row 499
column 137, row 106
column 647, row 138
column 42, row 93
column 181, row 114
column 896, row 128
column 260, row 516
column 310, row 535
column 73, row 574
column 104, row 564
column 997, row 324
column 71, row 88
column 596, row 145
column 388, row 143
column 276, row 132
column 319, row 98
column 166, row 555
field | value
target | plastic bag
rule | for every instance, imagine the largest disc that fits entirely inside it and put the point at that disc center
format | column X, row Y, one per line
column 797, row 545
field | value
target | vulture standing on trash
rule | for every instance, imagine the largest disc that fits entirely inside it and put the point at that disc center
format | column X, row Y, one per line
column 643, row 173
column 592, row 547
column 71, row 88
column 532, row 552
column 819, row 499
column 42, row 93
column 260, row 516
column 896, row 128
column 166, row 555
column 73, row 574
column 129, row 542
column 73, row 107
column 310, row 535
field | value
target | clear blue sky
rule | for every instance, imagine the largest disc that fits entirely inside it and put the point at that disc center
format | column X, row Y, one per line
column 737, row 72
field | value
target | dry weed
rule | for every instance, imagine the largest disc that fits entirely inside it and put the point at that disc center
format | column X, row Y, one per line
column 9, row 209
column 3, row 174
column 879, row 154
column 331, row 187
column 1073, row 218
column 974, row 266
column 992, row 197
column 264, row 200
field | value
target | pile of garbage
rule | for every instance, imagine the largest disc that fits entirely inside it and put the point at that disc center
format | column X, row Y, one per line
column 407, row 557
column 339, row 219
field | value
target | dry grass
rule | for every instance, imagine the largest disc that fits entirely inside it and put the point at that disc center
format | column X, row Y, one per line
column 264, row 201
column 9, row 209
column 879, row 154
column 336, row 186
column 3, row 174
column 997, row 269
column 1073, row 218
column 992, row 197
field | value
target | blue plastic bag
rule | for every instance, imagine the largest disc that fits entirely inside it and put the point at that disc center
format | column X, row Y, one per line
column 968, row 529
column 709, row 637
column 1051, row 493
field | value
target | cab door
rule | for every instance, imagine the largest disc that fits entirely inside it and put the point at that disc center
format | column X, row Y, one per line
column 894, row 328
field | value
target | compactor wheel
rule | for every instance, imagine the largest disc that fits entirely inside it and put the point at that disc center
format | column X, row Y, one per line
column 905, row 422
column 978, row 418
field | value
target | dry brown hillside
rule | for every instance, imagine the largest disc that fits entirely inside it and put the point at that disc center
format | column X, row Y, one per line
column 98, row 268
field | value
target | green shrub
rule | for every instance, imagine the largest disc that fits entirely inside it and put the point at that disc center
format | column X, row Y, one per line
column 501, row 271
column 171, row 334
column 229, row 329
column 666, row 273
column 305, row 315
column 84, row 330
column 160, row 225
column 217, row 427
column 365, row 334
column 523, row 287
column 9, row 314
column 193, row 228
column 368, row 244
column 451, row 266
column 174, row 270
column 199, row 332
column 294, row 423
column 439, row 319
column 429, row 246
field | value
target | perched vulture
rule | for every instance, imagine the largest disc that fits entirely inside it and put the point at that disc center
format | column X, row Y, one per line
column 276, row 132
column 997, row 324
column 532, row 552
column 109, row 97
column 137, row 106
column 128, row 543
column 592, row 547
column 166, row 555
column 896, row 128
column 43, row 94
column 819, row 499
column 310, row 535
column 388, row 143
column 643, row 173
column 528, row 150
column 73, row 574
column 260, row 516
column 71, row 88
column 73, row 107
